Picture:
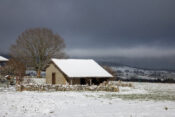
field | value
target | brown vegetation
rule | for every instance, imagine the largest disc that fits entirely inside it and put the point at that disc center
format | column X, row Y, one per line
column 111, row 71
column 119, row 83
column 14, row 68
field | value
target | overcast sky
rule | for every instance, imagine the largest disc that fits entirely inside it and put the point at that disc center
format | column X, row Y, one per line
column 103, row 28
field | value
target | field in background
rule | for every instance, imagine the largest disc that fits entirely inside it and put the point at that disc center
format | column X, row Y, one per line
column 126, row 73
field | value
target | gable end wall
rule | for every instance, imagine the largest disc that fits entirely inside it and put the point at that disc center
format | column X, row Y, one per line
column 60, row 78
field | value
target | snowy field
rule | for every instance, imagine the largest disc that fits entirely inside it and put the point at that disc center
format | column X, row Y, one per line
column 143, row 100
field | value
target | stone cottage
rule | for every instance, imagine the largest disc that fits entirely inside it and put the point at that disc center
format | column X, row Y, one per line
column 75, row 71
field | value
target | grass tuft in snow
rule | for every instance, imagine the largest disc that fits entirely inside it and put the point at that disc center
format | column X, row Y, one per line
column 142, row 97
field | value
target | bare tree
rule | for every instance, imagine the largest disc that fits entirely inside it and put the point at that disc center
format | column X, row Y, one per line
column 14, row 68
column 111, row 71
column 35, row 47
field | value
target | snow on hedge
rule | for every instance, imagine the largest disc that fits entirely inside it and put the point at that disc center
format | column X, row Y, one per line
column 38, row 81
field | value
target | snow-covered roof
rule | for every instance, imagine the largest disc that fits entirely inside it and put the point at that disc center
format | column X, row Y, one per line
column 81, row 68
column 3, row 59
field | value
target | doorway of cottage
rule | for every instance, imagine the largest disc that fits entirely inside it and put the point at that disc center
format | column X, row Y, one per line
column 53, row 78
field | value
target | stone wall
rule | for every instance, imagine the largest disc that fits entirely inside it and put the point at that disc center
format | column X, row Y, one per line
column 32, row 87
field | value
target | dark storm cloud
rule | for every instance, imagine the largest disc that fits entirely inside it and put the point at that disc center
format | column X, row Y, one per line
column 124, row 27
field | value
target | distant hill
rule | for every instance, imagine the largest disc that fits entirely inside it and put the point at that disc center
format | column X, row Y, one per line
column 167, row 64
column 130, row 73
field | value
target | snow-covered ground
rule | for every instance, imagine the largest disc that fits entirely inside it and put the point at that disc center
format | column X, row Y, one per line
column 143, row 100
column 34, row 81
